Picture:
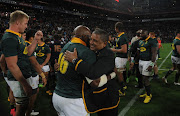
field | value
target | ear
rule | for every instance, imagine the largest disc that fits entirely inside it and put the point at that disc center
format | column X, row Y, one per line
column 105, row 43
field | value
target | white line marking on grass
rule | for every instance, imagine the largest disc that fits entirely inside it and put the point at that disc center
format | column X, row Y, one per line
column 133, row 100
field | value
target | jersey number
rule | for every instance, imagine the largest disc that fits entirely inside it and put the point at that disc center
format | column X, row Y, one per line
column 57, row 48
column 63, row 64
column 173, row 46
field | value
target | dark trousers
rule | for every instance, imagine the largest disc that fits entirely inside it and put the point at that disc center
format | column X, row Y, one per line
column 111, row 112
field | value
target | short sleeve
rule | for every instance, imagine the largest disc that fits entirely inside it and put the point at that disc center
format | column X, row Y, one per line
column 10, row 47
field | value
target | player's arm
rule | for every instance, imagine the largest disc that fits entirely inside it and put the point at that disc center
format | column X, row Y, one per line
column 34, row 43
column 122, row 50
column 47, row 59
column 16, row 72
column 104, row 65
column 178, row 48
column 38, row 68
column 3, row 64
column 154, row 53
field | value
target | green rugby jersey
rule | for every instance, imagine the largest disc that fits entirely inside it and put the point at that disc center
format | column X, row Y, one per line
column 121, row 40
column 145, row 48
column 69, row 82
column 33, row 71
column 41, row 51
column 176, row 42
column 13, row 45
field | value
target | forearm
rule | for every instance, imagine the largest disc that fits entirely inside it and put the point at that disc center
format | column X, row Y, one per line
column 3, row 64
column 32, row 47
column 154, row 53
column 46, row 60
column 17, row 74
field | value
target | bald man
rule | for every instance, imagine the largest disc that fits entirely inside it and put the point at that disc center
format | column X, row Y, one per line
column 67, row 97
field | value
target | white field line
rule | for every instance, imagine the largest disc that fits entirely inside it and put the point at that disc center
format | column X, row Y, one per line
column 133, row 100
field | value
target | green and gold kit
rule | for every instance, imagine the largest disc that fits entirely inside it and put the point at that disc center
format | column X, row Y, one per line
column 41, row 51
column 176, row 42
column 69, row 82
column 33, row 71
column 145, row 48
column 121, row 40
column 13, row 45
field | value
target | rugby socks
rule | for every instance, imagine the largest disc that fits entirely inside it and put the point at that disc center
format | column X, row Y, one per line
column 124, row 76
column 168, row 73
column 121, row 86
column 177, row 77
column 12, row 106
column 148, row 89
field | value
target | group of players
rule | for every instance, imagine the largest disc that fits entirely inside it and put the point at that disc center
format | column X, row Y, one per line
column 85, row 70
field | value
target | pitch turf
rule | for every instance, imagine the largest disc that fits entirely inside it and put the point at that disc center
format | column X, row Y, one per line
column 165, row 100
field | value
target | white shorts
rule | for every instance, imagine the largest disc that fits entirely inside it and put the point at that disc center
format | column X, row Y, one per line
column 69, row 106
column 120, row 62
column 46, row 68
column 17, row 89
column 143, row 65
column 175, row 60
column 34, row 82
column 132, row 58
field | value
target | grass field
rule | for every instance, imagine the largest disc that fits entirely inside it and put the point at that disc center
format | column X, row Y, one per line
column 165, row 100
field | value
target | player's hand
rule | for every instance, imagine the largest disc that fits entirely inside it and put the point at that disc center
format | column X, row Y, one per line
column 69, row 56
column 44, row 81
column 149, row 68
column 129, row 59
column 28, row 89
column 56, row 65
column 113, row 49
column 41, row 66
column 131, row 65
column 38, row 35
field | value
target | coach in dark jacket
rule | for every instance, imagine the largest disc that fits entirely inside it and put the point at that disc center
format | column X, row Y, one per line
column 100, row 89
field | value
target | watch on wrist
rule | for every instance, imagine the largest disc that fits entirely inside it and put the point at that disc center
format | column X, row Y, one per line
column 74, row 60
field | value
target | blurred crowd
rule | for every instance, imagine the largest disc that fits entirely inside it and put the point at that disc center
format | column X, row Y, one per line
column 52, row 23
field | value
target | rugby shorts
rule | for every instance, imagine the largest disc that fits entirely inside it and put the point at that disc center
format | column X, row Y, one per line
column 143, row 65
column 69, row 106
column 175, row 60
column 46, row 68
column 120, row 62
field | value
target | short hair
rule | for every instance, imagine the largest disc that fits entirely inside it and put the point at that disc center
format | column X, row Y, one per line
column 152, row 33
column 119, row 26
column 17, row 15
column 103, row 34
column 30, row 33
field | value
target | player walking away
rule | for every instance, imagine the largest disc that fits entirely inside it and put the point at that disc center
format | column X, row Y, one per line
column 155, row 76
column 16, row 56
column 121, row 50
column 134, row 60
column 67, row 97
column 43, row 54
column 103, row 96
column 175, row 58
column 148, row 52
column 159, row 46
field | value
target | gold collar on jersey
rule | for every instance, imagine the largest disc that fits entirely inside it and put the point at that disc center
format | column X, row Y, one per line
column 41, row 45
column 16, row 33
column 147, row 38
column 177, row 38
column 28, row 42
column 120, row 34
column 78, row 40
